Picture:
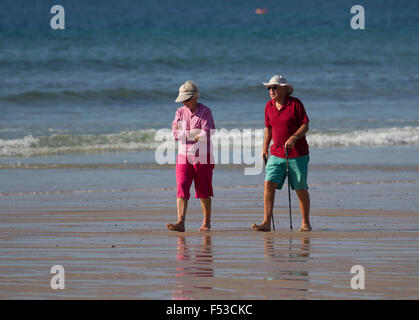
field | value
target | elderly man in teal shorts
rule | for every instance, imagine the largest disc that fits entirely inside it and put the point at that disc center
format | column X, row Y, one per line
column 286, row 122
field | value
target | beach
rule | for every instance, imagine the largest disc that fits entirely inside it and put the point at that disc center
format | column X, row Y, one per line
column 117, row 251
column 87, row 174
column 117, row 255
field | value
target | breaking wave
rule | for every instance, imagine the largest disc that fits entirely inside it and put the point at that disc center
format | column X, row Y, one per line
column 138, row 140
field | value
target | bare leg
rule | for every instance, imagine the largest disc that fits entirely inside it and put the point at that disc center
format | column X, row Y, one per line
column 206, row 209
column 182, row 205
column 268, row 205
column 304, row 201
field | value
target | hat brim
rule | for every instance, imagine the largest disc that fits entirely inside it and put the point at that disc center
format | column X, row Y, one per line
column 290, row 87
column 184, row 96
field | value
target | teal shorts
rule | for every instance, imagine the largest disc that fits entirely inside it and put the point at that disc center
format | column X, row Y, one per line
column 276, row 171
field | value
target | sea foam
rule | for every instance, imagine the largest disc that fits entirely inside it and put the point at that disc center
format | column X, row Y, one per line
column 137, row 140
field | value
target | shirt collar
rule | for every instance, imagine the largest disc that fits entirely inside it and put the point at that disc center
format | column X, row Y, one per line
column 196, row 110
column 287, row 102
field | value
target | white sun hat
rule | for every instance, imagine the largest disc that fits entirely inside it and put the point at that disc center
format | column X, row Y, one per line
column 279, row 80
column 186, row 91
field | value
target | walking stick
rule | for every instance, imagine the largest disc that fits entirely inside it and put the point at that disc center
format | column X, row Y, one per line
column 265, row 159
column 289, row 190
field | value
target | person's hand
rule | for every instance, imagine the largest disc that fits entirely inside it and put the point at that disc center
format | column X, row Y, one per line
column 178, row 125
column 193, row 135
column 265, row 155
column 290, row 143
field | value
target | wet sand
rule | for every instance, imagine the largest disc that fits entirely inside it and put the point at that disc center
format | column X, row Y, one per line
column 128, row 254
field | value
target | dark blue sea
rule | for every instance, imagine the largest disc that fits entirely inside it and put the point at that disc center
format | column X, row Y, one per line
column 99, row 90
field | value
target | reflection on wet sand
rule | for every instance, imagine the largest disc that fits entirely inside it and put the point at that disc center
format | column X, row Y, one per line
column 192, row 261
column 282, row 254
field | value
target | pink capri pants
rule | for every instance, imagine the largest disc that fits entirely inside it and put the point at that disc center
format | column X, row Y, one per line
column 201, row 174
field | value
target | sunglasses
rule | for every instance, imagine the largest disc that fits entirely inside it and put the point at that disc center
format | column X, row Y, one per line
column 272, row 88
column 188, row 99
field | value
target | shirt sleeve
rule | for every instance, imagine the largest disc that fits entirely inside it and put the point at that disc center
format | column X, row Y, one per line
column 301, row 114
column 178, row 133
column 207, row 125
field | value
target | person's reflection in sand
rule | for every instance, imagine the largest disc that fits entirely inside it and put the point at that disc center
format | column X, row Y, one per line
column 193, row 261
column 287, row 255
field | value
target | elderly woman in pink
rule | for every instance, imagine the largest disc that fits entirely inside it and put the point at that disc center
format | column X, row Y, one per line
column 192, row 128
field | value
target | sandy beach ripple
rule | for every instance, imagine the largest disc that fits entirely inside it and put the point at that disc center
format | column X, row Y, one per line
column 128, row 254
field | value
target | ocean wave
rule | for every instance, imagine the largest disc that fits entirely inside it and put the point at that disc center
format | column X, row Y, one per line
column 223, row 139
column 73, row 96
column 78, row 144
column 362, row 138
column 113, row 95
column 129, row 93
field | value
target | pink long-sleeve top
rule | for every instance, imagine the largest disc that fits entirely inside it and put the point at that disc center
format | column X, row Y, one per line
column 188, row 121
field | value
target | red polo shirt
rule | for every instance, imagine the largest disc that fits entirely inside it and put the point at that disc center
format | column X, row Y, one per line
column 284, row 124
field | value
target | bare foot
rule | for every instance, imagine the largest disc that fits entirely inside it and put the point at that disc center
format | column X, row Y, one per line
column 305, row 228
column 176, row 227
column 261, row 227
column 205, row 227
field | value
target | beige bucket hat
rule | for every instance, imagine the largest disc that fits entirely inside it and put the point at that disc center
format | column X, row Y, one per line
column 279, row 80
column 186, row 91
